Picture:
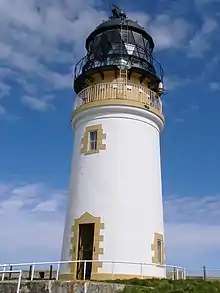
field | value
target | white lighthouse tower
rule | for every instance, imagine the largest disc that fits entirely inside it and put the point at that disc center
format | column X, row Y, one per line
column 114, row 224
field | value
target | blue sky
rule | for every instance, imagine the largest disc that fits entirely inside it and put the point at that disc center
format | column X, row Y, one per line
column 39, row 45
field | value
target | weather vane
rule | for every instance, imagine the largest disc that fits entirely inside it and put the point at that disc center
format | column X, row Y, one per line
column 117, row 12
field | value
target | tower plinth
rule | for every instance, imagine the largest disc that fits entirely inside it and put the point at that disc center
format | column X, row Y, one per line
column 114, row 223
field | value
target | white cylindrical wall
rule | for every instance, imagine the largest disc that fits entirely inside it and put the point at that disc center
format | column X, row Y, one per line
column 121, row 185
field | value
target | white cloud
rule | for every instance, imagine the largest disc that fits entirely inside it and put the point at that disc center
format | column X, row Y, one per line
column 192, row 231
column 193, row 209
column 201, row 41
column 43, row 30
column 193, row 245
column 38, row 104
column 142, row 18
column 214, row 86
column 203, row 2
column 40, row 38
column 47, row 206
column 175, row 82
column 4, row 90
column 33, row 218
column 166, row 32
column 2, row 110
column 176, row 33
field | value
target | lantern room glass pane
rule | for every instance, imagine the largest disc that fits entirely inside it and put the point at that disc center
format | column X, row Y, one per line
column 138, row 39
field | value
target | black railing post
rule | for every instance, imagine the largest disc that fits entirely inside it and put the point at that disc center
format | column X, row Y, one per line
column 10, row 273
column 204, row 273
column 51, row 272
column 30, row 272
column 174, row 273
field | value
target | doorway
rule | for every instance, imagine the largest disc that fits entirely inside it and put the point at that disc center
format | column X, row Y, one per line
column 85, row 250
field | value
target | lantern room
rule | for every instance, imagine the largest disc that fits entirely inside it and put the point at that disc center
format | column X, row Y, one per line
column 116, row 44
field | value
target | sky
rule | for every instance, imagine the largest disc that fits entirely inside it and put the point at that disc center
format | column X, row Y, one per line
column 40, row 42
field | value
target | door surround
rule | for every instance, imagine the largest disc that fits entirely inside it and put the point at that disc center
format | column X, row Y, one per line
column 87, row 218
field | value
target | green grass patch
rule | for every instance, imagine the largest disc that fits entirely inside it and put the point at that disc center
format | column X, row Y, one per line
column 168, row 286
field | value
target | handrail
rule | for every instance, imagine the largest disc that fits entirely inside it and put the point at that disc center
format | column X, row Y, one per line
column 112, row 91
column 177, row 272
column 13, row 271
column 140, row 57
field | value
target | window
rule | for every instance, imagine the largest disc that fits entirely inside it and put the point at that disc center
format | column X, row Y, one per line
column 158, row 248
column 92, row 140
column 159, row 251
column 93, row 135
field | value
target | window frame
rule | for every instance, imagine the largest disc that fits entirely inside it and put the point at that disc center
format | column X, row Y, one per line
column 93, row 141
column 158, row 248
column 98, row 143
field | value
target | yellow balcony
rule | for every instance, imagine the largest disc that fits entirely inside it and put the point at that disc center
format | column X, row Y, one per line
column 120, row 92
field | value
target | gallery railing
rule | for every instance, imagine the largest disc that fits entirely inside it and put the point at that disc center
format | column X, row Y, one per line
column 120, row 91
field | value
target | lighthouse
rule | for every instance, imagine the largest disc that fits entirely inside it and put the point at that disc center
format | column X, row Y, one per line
column 114, row 223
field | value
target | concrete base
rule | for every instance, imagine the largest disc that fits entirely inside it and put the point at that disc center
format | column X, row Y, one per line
column 59, row 287
column 106, row 277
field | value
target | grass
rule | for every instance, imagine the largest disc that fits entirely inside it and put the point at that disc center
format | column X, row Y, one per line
column 168, row 286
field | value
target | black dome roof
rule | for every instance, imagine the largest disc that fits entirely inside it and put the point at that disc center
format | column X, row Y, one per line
column 115, row 23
